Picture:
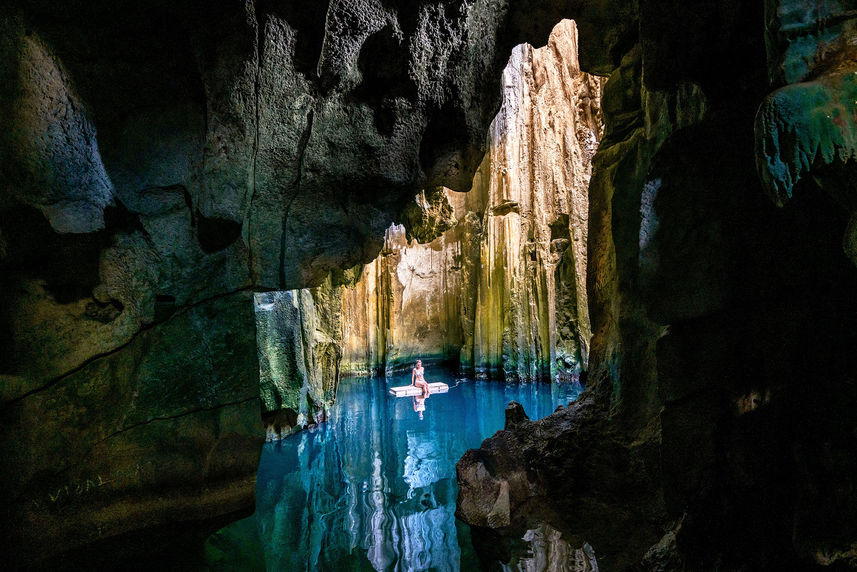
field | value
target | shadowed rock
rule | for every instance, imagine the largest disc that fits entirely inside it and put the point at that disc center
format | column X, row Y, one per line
column 514, row 414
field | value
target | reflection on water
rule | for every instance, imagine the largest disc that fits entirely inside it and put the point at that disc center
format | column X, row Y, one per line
column 374, row 488
column 420, row 405
column 544, row 550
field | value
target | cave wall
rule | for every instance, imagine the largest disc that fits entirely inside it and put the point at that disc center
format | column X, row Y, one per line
column 720, row 395
column 405, row 307
column 531, row 317
column 299, row 337
column 502, row 291
column 161, row 161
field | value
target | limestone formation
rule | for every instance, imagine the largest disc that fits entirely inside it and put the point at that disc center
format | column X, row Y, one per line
column 503, row 291
column 701, row 294
column 52, row 152
column 429, row 216
column 404, row 307
column 162, row 161
column 525, row 465
column 530, row 312
column 104, row 461
column 299, row 336
column 807, row 128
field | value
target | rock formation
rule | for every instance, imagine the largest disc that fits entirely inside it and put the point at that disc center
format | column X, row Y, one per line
column 404, row 307
column 808, row 127
column 530, row 317
column 720, row 395
column 502, row 292
column 299, row 335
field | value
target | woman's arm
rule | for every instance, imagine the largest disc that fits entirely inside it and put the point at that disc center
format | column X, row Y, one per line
column 413, row 373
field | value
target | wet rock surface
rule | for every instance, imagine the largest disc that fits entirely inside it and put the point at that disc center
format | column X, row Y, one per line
column 571, row 471
column 299, row 335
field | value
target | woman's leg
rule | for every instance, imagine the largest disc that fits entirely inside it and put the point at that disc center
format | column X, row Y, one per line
column 424, row 386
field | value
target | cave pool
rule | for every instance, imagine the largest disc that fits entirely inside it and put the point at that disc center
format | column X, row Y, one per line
column 374, row 488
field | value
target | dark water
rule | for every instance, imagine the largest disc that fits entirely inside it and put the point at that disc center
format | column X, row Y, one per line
column 374, row 488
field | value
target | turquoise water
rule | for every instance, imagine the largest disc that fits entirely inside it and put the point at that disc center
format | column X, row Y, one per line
column 374, row 488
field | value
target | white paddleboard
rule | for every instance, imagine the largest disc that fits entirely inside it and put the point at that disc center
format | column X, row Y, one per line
column 412, row 390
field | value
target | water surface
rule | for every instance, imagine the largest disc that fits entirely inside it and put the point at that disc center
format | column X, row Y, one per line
column 374, row 488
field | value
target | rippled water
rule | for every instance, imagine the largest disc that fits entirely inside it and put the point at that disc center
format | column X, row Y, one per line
column 374, row 488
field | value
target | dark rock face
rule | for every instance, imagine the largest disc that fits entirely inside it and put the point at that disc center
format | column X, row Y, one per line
column 571, row 469
column 722, row 326
column 163, row 427
column 162, row 160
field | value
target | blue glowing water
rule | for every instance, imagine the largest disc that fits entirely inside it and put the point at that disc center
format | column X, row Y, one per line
column 374, row 488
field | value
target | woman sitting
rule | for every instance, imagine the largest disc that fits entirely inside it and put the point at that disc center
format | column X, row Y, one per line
column 418, row 379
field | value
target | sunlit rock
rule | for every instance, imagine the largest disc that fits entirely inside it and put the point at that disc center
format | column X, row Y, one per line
column 404, row 307
column 530, row 317
column 299, row 335
column 429, row 216
column 503, row 290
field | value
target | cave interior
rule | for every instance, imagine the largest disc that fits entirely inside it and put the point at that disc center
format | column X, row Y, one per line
column 211, row 214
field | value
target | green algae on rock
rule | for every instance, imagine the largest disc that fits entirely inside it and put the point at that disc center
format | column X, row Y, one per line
column 299, row 335
column 106, row 422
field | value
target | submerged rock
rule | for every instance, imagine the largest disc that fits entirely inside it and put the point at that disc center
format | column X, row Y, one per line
column 515, row 414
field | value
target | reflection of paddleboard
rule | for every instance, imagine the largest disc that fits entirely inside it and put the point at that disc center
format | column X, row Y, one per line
column 411, row 390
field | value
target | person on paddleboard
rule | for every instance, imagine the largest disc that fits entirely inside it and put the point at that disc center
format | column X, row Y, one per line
column 418, row 378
